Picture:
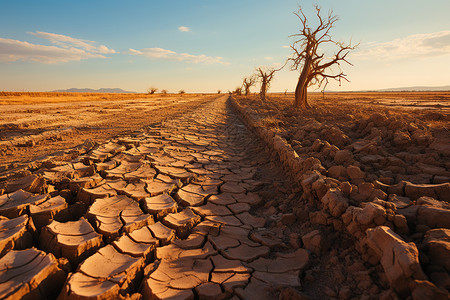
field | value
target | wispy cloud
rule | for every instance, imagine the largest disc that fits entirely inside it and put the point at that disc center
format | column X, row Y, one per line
column 412, row 46
column 65, row 41
column 164, row 54
column 184, row 29
column 14, row 50
column 65, row 49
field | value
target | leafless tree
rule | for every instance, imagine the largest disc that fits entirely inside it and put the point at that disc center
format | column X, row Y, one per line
column 248, row 83
column 152, row 90
column 309, row 59
column 181, row 92
column 238, row 90
column 164, row 92
column 219, row 91
column 265, row 76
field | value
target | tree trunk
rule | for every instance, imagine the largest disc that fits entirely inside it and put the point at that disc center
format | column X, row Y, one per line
column 262, row 93
column 301, row 95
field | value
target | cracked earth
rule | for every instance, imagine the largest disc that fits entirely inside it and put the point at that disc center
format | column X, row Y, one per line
column 172, row 211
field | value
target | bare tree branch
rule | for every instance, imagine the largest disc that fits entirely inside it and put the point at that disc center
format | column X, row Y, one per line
column 248, row 83
column 265, row 76
column 308, row 58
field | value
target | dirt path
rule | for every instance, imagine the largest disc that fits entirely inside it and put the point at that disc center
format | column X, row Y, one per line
column 190, row 208
column 170, row 215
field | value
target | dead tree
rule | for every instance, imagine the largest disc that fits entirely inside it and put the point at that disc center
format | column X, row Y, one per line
column 308, row 57
column 152, row 90
column 238, row 91
column 265, row 76
column 248, row 83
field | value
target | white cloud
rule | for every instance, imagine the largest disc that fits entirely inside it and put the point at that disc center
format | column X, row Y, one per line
column 184, row 29
column 412, row 46
column 268, row 57
column 160, row 53
column 65, row 49
column 14, row 50
column 69, row 42
column 286, row 46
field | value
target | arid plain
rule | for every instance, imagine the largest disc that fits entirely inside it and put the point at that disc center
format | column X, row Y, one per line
column 213, row 196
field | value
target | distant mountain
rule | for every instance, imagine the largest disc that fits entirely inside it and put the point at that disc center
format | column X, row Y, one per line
column 417, row 89
column 102, row 90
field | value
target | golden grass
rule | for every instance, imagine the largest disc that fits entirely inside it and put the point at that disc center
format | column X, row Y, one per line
column 23, row 98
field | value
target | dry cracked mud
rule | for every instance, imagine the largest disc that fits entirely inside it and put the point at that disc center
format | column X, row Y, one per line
column 183, row 209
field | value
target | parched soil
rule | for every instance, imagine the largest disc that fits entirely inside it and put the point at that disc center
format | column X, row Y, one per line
column 37, row 124
column 374, row 168
column 391, row 143
column 233, row 199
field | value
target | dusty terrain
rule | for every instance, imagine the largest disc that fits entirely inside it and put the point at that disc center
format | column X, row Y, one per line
column 232, row 199
column 374, row 167
column 36, row 124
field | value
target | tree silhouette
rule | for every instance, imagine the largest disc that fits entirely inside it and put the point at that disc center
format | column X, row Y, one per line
column 152, row 90
column 309, row 58
column 248, row 83
column 265, row 76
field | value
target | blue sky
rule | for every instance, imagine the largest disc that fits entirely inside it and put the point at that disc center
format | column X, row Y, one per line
column 206, row 45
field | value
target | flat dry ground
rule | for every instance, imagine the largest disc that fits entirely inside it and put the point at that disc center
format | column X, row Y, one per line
column 57, row 121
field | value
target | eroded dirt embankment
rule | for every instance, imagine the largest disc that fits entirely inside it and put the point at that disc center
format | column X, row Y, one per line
column 379, row 176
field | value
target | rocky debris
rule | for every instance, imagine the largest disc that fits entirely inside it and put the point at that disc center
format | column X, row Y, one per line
column 433, row 213
column 30, row 273
column 74, row 240
column 366, row 186
column 400, row 260
column 436, row 245
column 113, row 215
column 314, row 242
column 15, row 234
column 335, row 202
column 415, row 191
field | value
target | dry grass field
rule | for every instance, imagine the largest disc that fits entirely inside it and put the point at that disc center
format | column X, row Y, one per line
column 35, row 124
